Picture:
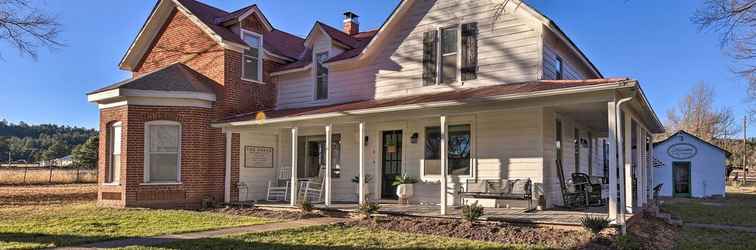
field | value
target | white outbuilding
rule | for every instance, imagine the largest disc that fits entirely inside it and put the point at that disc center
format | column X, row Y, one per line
column 688, row 166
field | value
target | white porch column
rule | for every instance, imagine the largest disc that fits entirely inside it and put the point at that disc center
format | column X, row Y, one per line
column 628, row 163
column 642, row 162
column 328, row 171
column 361, row 146
column 227, row 177
column 651, row 167
column 444, row 162
column 294, row 181
column 612, row 137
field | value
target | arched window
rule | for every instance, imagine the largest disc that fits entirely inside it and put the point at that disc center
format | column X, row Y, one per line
column 112, row 173
column 162, row 152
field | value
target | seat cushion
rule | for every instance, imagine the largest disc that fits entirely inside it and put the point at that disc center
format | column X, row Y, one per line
column 499, row 187
column 520, row 187
column 476, row 187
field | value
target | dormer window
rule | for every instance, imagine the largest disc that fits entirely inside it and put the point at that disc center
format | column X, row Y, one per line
column 559, row 68
column 252, row 61
column 321, row 76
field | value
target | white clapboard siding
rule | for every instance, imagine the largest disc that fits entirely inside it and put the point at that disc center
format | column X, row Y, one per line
column 508, row 47
column 256, row 179
column 343, row 188
column 573, row 66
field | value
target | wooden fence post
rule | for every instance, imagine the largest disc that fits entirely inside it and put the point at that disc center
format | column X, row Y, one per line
column 25, row 170
column 49, row 181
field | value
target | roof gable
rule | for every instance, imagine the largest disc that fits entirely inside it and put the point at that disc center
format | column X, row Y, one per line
column 683, row 132
column 243, row 13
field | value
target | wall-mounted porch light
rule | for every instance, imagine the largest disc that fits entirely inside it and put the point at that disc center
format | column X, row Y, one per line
column 413, row 138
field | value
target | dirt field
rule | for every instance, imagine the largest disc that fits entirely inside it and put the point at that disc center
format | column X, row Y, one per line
column 43, row 175
column 47, row 194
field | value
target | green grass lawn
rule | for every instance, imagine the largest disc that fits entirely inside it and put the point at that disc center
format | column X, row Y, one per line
column 736, row 209
column 698, row 238
column 26, row 227
column 331, row 237
column 739, row 208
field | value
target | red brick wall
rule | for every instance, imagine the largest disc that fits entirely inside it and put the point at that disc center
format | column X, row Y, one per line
column 107, row 118
column 196, row 160
column 203, row 147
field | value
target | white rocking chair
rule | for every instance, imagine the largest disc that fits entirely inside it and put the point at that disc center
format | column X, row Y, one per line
column 279, row 190
column 312, row 190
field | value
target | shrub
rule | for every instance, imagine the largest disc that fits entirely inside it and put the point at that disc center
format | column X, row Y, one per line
column 306, row 206
column 368, row 208
column 403, row 179
column 594, row 224
column 627, row 242
column 472, row 212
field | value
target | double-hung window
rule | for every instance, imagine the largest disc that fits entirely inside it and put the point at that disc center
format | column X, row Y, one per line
column 252, row 61
column 449, row 48
column 450, row 54
column 114, row 153
column 321, row 76
column 162, row 152
column 458, row 150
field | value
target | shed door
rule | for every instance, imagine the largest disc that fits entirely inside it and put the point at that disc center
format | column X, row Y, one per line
column 681, row 178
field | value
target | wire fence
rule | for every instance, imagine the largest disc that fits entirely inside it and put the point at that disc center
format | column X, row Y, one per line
column 31, row 175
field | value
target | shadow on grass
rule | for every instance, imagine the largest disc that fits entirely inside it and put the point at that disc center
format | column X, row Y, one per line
column 40, row 240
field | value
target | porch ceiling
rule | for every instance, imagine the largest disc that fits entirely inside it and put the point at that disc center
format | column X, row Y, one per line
column 592, row 115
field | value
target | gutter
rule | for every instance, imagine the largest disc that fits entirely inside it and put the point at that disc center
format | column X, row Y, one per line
column 621, row 157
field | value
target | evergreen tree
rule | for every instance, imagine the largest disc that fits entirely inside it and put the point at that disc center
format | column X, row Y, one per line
column 86, row 154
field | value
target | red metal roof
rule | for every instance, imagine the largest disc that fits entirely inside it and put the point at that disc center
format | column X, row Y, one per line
column 454, row 95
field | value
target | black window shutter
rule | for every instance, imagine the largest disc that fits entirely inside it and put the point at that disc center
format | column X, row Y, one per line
column 469, row 51
column 429, row 58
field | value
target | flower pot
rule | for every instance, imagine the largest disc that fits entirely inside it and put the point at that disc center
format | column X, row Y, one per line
column 405, row 191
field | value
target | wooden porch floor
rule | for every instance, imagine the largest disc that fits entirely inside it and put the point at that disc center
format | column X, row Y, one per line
column 513, row 215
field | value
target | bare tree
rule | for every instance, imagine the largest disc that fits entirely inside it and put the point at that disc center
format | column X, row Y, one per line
column 735, row 21
column 27, row 28
column 696, row 114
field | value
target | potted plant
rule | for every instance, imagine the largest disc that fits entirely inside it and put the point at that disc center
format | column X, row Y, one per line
column 365, row 186
column 405, row 187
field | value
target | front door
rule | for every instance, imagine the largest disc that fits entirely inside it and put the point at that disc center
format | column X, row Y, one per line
column 391, row 162
column 681, row 178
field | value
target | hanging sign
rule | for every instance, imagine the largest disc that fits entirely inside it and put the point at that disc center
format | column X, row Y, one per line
column 682, row 151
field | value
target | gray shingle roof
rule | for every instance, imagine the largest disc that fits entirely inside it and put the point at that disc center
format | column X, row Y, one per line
column 175, row 77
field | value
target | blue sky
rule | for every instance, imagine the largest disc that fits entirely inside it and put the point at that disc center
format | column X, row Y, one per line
column 653, row 41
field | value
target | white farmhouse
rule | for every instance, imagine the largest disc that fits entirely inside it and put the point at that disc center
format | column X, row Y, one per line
column 691, row 167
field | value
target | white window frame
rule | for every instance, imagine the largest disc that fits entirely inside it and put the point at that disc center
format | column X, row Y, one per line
column 115, row 178
column 440, row 55
column 315, row 73
column 473, row 149
column 559, row 68
column 147, row 152
column 260, row 52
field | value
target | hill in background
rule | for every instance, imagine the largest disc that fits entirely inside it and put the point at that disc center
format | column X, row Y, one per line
column 34, row 143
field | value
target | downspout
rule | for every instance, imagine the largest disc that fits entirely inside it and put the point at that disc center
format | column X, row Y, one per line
column 621, row 155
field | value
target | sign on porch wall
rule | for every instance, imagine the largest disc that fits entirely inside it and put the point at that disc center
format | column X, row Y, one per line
column 258, row 157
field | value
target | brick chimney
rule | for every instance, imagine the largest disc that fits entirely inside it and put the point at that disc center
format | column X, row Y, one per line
column 351, row 23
